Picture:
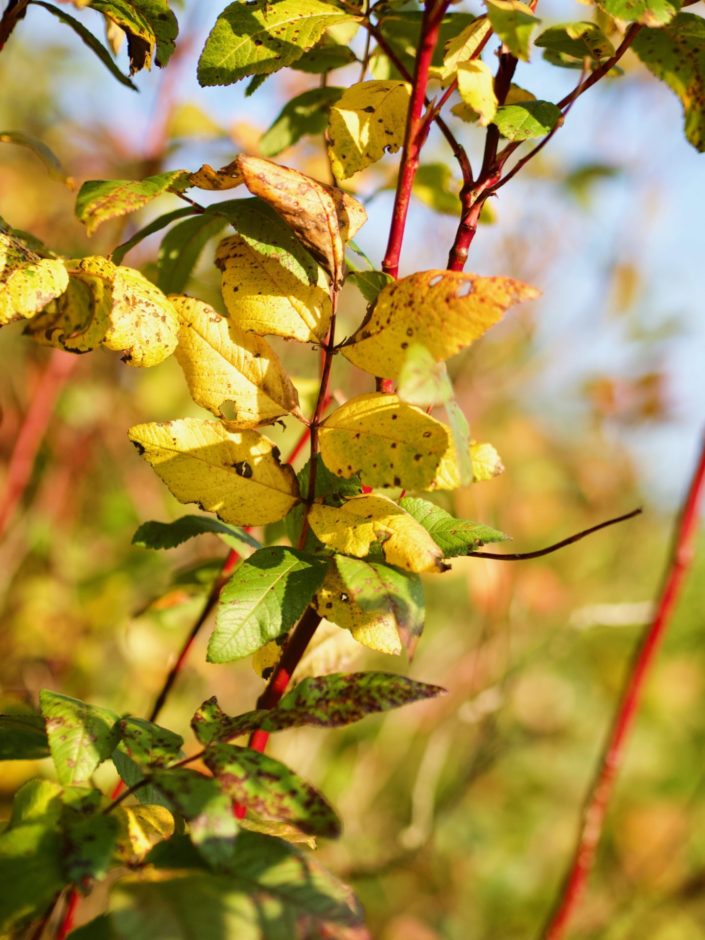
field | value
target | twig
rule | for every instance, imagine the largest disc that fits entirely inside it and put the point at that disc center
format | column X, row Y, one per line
column 34, row 426
column 69, row 915
column 14, row 11
column 600, row 792
column 415, row 133
column 522, row 556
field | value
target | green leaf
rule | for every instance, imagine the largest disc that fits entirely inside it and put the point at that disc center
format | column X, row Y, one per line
column 269, row 789
column 88, row 845
column 330, row 488
column 100, row 928
column 28, row 282
column 200, row 800
column 306, row 114
column 330, row 701
column 181, row 249
column 147, row 744
column 648, row 12
column 30, row 873
column 81, row 736
column 435, row 186
column 164, row 26
column 262, row 37
column 453, row 536
column 526, row 120
column 170, row 534
column 39, row 148
column 676, row 55
column 570, row 44
column 36, row 801
column 140, row 35
column 23, row 737
column 89, row 39
column 100, row 200
column 374, row 586
column 118, row 255
column 264, row 598
column 325, row 57
column 514, row 22
column 130, row 774
column 370, row 283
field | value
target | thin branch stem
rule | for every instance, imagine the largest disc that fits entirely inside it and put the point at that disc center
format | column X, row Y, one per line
column 415, row 133
column 523, row 556
column 600, row 792
column 14, row 12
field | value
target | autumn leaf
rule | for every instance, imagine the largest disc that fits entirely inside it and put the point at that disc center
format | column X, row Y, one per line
column 28, row 282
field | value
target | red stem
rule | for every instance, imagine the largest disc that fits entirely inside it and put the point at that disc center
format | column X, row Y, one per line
column 415, row 133
column 596, row 804
column 34, row 427
column 69, row 915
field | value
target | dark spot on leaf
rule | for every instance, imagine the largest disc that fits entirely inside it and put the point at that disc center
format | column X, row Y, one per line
column 243, row 469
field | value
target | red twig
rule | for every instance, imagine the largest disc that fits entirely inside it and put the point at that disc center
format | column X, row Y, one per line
column 415, row 133
column 596, row 804
column 36, row 421
column 66, row 925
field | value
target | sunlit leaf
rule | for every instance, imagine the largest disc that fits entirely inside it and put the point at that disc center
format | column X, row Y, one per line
column 359, row 523
column 263, row 599
column 322, row 701
column 527, row 120
column 366, row 122
column 140, row 828
column 236, row 474
column 387, row 443
column 262, row 37
column 476, row 87
column 235, row 375
column 81, row 736
column 304, row 115
column 262, row 296
column 100, row 200
column 570, row 44
column 28, row 282
column 147, row 744
column 649, row 12
column 514, row 23
column 170, row 534
column 445, row 311
column 675, row 55
column 463, row 47
column 143, row 324
column 227, row 177
column 453, row 536
column 270, row 789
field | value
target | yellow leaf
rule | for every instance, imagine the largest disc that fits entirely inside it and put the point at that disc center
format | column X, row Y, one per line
column 389, row 443
column 141, row 828
column 462, row 48
column 262, row 296
column 227, row 177
column 236, row 475
column 229, row 370
column 306, row 206
column 486, row 462
column 376, row 629
column 476, row 87
column 367, row 121
column 143, row 324
column 28, row 282
column 445, row 311
column 354, row 527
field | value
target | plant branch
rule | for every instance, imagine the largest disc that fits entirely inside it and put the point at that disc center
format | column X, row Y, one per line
column 416, row 132
column 600, row 792
column 523, row 556
column 14, row 11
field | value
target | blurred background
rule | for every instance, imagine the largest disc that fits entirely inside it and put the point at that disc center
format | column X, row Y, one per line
column 459, row 814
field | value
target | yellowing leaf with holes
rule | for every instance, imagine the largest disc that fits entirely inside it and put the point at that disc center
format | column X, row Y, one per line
column 234, row 374
column 476, row 87
column 463, row 47
column 262, row 296
column 366, row 122
column 236, row 475
column 227, row 177
column 375, row 628
column 143, row 324
column 388, row 443
column 359, row 523
column 320, row 221
column 28, row 282
column 445, row 311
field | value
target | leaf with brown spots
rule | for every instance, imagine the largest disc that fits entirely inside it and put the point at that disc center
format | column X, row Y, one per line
column 388, row 443
column 147, row 744
column 101, row 200
column 236, row 475
column 81, row 736
column 330, row 701
column 271, row 790
column 444, row 311
column 28, row 282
